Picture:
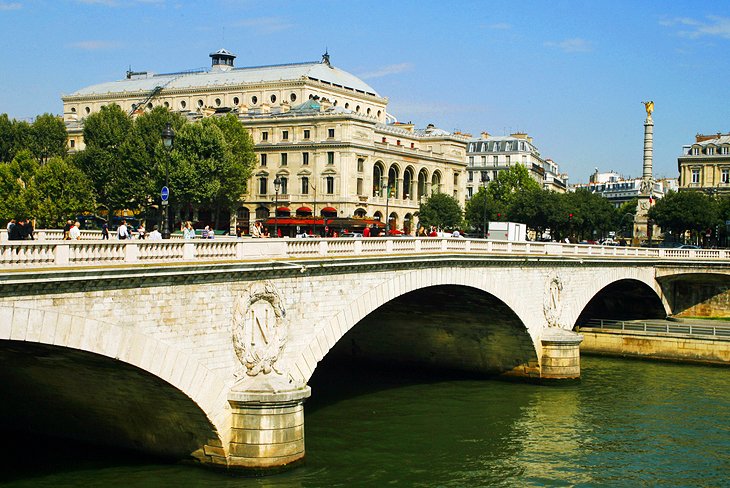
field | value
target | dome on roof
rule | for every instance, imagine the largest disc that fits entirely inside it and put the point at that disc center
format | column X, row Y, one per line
column 222, row 59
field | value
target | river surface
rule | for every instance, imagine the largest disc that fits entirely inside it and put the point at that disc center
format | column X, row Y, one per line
column 627, row 423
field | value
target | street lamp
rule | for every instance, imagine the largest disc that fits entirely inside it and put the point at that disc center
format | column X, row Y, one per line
column 168, row 136
column 277, row 187
column 384, row 185
column 485, row 182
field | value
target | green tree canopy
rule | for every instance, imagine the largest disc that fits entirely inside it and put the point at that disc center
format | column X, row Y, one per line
column 441, row 210
column 57, row 192
column 510, row 183
column 683, row 211
column 48, row 137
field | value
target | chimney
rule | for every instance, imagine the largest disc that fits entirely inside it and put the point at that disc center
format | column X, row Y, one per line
column 485, row 135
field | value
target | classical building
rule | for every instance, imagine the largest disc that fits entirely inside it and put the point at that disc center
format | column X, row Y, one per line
column 488, row 155
column 618, row 190
column 705, row 165
column 322, row 134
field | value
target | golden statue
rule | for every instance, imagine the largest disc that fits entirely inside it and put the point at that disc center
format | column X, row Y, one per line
column 649, row 108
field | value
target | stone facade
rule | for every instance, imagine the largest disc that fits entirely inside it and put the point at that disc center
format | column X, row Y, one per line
column 324, row 133
column 705, row 165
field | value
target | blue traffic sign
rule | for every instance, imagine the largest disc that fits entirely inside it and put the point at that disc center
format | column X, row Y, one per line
column 165, row 193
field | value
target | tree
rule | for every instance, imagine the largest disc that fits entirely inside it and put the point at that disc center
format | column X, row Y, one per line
column 590, row 215
column 49, row 137
column 539, row 209
column 679, row 212
column 442, row 211
column 510, row 183
column 58, row 191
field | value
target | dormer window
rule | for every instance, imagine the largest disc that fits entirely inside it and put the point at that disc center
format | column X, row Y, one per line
column 695, row 151
column 710, row 151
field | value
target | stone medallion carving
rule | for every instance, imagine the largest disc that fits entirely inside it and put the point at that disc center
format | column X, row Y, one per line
column 259, row 329
column 552, row 305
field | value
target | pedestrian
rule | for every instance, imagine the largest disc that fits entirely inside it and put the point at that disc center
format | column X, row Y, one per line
column 10, row 225
column 28, row 230
column 66, row 229
column 256, row 230
column 188, row 231
column 75, row 232
column 366, row 231
column 105, row 230
column 141, row 232
column 123, row 231
column 204, row 232
column 16, row 231
column 155, row 234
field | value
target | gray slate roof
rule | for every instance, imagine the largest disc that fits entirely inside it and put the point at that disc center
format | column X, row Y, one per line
column 237, row 76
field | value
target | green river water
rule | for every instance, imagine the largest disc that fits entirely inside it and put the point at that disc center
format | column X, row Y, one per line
column 627, row 423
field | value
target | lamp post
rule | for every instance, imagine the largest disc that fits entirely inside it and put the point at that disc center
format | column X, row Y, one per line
column 277, row 187
column 485, row 182
column 384, row 185
column 168, row 136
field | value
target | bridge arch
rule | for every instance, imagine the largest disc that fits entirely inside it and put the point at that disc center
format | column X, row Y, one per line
column 476, row 281
column 618, row 296
column 101, row 345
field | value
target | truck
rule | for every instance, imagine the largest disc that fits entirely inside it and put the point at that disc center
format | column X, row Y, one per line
column 507, row 231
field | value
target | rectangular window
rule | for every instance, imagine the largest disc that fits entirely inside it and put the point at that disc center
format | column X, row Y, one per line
column 726, row 175
column 484, row 160
column 359, row 186
column 711, row 151
column 508, row 161
column 723, row 150
column 469, row 192
column 495, row 160
column 456, row 179
column 471, row 160
column 330, row 185
column 331, row 133
column 284, row 159
column 285, row 135
column 306, row 133
column 284, row 185
column 330, row 157
column 264, row 157
column 695, row 176
column 360, row 165
column 471, row 176
column 264, row 136
column 305, row 185
column 305, row 158
column 73, row 143
column 262, row 185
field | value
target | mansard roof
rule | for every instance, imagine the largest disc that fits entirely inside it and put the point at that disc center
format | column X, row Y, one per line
column 207, row 79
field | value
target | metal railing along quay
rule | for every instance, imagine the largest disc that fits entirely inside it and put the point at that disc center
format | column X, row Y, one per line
column 660, row 326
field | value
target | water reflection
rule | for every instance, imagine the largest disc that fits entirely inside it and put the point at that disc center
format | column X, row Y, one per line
column 627, row 423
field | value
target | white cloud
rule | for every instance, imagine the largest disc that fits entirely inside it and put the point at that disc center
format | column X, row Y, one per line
column 500, row 26
column 266, row 25
column 391, row 69
column 714, row 26
column 575, row 45
column 94, row 45
column 10, row 6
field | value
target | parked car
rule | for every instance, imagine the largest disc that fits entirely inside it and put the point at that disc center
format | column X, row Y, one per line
column 689, row 246
column 351, row 234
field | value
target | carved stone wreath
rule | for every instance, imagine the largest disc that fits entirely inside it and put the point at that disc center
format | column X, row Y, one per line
column 552, row 305
column 259, row 329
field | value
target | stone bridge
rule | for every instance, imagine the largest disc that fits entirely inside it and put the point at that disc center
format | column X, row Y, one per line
column 204, row 349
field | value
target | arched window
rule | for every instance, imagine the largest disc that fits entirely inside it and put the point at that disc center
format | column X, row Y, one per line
column 422, row 184
column 436, row 183
column 262, row 213
column 377, row 178
column 408, row 184
column 393, row 173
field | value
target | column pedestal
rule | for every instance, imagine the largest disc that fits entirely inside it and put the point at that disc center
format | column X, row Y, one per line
column 267, row 430
column 560, row 355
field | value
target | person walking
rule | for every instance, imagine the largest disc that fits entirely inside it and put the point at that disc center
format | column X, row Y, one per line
column 155, row 234
column 188, row 231
column 75, row 233
column 66, row 229
column 16, row 231
column 105, row 231
column 123, row 231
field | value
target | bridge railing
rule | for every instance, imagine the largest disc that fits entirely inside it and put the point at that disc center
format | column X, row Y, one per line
column 52, row 252
column 665, row 327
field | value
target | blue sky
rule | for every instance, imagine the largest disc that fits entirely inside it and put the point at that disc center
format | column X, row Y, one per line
column 571, row 74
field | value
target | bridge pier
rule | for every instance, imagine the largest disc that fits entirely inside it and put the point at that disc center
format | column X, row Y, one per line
column 560, row 355
column 267, row 428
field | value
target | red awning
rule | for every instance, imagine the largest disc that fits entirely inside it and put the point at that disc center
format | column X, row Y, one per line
column 304, row 210
column 283, row 209
column 329, row 210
